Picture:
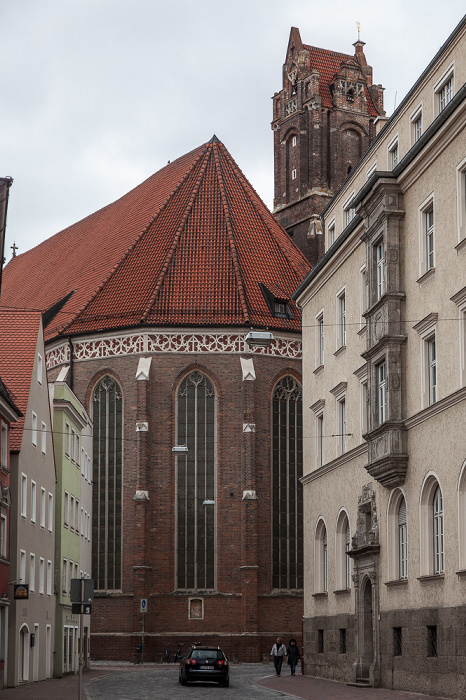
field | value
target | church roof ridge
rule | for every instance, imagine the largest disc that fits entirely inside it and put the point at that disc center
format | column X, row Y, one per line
column 187, row 247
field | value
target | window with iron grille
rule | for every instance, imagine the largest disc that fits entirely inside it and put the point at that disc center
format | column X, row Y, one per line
column 343, row 640
column 397, row 641
column 320, row 641
column 195, row 474
column 432, row 640
column 287, row 469
column 107, row 405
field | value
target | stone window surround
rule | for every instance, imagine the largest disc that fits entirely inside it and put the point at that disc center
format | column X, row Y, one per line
column 448, row 74
column 339, row 392
column 341, row 315
column 461, row 204
column 460, row 300
column 427, row 330
column 318, row 409
column 393, row 153
column 426, row 530
column 393, row 544
column 361, row 374
column 342, row 561
column 320, row 558
column 425, row 272
column 320, row 339
column 462, row 518
column 416, row 119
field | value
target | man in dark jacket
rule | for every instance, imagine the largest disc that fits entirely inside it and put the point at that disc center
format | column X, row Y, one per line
column 293, row 655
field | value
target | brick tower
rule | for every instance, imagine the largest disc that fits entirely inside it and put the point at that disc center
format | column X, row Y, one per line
column 323, row 121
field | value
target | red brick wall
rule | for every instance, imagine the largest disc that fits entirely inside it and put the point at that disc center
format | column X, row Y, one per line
column 149, row 527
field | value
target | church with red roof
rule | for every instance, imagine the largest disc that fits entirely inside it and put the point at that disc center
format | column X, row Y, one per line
column 169, row 314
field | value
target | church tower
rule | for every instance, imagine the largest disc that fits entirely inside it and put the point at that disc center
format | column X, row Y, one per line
column 323, row 121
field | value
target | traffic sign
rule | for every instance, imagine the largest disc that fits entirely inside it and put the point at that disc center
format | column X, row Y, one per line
column 143, row 605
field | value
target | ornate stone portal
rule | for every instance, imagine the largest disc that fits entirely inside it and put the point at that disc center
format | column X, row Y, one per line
column 365, row 553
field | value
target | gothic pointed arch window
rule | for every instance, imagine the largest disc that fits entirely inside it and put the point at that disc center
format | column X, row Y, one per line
column 195, row 482
column 107, row 414
column 287, row 499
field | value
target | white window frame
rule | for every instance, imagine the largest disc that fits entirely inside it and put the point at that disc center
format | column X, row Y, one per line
column 67, row 439
column 381, row 370
column 42, row 507
column 293, row 141
column 24, row 495
column 342, row 547
column 51, row 514
column 426, row 239
column 33, row 501
column 72, row 514
column 349, row 212
column 22, row 566
column 363, row 296
column 321, row 557
column 461, row 203
column 416, row 124
column 320, row 339
column 34, row 429
column 49, row 577
column 331, row 237
column 64, row 576
column 397, row 547
column 432, row 553
column 3, row 535
column 41, row 575
column 32, row 572
column 66, row 509
column 342, row 425
column 444, row 90
column 393, row 149
column 43, row 438
column 341, row 318
column 427, row 329
column 4, row 446
column 39, row 368
column 294, row 174
column 460, row 300
column 380, row 266
column 431, row 349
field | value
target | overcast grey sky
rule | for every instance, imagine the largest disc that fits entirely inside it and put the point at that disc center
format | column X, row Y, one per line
column 96, row 95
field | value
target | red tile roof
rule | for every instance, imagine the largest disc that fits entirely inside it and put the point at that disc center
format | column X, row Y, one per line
column 188, row 246
column 19, row 333
column 328, row 63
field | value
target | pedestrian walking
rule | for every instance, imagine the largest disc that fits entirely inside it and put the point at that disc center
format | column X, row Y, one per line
column 279, row 653
column 293, row 655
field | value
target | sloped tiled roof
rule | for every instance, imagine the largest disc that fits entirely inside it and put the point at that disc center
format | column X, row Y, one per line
column 19, row 332
column 8, row 396
column 328, row 63
column 188, row 247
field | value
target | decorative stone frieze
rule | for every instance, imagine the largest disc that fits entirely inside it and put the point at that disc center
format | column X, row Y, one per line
column 118, row 345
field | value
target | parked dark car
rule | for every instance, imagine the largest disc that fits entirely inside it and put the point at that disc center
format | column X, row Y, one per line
column 205, row 664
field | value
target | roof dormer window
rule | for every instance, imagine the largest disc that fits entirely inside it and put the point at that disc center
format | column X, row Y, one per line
column 276, row 300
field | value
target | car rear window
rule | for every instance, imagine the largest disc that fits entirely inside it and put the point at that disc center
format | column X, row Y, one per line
column 207, row 654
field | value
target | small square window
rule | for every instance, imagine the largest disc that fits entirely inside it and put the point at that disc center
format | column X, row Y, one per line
column 280, row 309
column 445, row 93
column 43, row 438
column 293, row 174
column 293, row 141
column 39, row 368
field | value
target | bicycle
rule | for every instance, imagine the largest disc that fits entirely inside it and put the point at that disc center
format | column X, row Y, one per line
column 178, row 654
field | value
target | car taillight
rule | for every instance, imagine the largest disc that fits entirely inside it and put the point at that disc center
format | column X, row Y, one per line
column 222, row 663
column 191, row 662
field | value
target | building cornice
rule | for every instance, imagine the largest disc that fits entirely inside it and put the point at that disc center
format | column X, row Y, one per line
column 147, row 341
column 334, row 464
column 436, row 408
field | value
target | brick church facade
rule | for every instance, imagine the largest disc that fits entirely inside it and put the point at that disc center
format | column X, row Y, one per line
column 169, row 314
column 323, row 122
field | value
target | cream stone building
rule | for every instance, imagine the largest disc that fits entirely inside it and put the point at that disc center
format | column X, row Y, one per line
column 384, row 334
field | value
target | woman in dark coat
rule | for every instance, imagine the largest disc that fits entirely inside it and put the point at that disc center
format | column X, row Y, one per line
column 293, row 655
